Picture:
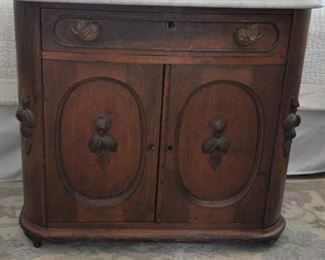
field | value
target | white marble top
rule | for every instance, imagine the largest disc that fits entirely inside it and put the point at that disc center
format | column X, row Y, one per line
column 279, row 4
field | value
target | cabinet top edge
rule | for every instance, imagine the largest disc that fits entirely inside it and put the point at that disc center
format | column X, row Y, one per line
column 263, row 4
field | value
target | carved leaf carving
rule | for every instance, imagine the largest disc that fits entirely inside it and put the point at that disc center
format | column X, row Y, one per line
column 98, row 143
column 209, row 145
column 223, row 144
column 102, row 143
column 217, row 145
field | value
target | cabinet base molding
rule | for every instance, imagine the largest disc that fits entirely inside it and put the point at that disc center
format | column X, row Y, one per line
column 40, row 234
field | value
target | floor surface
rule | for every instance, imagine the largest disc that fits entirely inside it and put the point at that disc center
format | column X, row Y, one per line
column 303, row 238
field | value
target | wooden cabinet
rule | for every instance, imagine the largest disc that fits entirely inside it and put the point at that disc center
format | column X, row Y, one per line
column 156, row 123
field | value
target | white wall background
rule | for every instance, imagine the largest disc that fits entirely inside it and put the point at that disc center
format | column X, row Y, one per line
column 312, row 94
column 8, row 82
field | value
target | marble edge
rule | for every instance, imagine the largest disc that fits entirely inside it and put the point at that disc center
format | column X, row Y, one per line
column 272, row 4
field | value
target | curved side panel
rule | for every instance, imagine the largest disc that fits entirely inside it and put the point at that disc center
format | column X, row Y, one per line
column 291, row 87
column 232, row 170
column 28, row 43
column 109, row 179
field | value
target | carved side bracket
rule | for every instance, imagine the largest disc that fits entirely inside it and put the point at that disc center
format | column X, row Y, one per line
column 102, row 143
column 217, row 145
column 290, row 123
column 85, row 29
column 27, row 122
column 248, row 35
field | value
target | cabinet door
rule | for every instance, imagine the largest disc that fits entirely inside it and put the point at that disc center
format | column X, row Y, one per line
column 101, row 127
column 219, row 138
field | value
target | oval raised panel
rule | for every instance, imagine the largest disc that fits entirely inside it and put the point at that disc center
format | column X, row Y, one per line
column 80, row 168
column 227, row 183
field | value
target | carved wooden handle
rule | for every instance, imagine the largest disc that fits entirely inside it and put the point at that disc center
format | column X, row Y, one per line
column 102, row 143
column 27, row 122
column 217, row 145
column 248, row 35
column 85, row 30
column 290, row 123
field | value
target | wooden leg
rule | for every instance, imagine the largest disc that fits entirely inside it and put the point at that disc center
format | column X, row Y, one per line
column 270, row 241
column 37, row 242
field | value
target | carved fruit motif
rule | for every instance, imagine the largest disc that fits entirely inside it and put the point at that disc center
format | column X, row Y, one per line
column 289, row 124
column 86, row 30
column 217, row 145
column 248, row 35
column 102, row 143
column 27, row 122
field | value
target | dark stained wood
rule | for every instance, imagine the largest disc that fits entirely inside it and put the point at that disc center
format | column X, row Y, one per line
column 161, row 58
column 291, row 86
column 106, row 30
column 80, row 187
column 29, row 69
column 152, row 233
column 246, row 98
column 156, row 123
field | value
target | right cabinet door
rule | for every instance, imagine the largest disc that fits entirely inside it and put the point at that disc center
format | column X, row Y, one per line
column 218, row 135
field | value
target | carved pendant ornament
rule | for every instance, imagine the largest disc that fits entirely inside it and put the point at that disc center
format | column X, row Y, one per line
column 27, row 122
column 218, row 145
column 248, row 35
column 86, row 30
column 102, row 143
column 290, row 123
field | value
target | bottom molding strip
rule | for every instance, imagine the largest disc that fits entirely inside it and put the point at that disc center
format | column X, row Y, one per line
column 37, row 233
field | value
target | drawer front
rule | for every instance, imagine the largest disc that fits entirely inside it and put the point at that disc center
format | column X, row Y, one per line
column 81, row 30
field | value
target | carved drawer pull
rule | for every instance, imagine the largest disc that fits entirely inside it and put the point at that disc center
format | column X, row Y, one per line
column 102, row 143
column 27, row 122
column 290, row 123
column 248, row 35
column 85, row 30
column 217, row 145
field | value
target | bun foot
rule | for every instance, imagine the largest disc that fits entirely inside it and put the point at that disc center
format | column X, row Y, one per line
column 37, row 243
column 270, row 241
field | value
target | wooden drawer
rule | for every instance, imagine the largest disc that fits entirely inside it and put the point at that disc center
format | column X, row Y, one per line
column 81, row 30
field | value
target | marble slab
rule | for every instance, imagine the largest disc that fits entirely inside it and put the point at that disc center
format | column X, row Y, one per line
column 278, row 4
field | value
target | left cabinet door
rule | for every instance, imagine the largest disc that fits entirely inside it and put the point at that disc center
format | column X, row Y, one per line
column 101, row 141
